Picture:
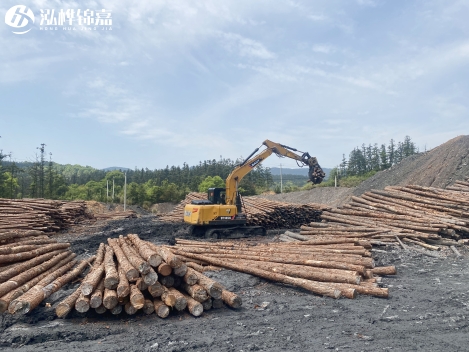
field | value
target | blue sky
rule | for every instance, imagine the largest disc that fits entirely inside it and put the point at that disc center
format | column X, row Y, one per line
column 183, row 81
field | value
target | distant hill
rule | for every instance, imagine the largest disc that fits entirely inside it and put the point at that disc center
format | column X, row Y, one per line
column 301, row 171
column 113, row 168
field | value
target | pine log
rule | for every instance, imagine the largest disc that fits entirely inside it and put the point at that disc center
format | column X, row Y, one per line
column 213, row 288
column 19, row 257
column 153, row 258
column 82, row 303
column 65, row 306
column 167, row 281
column 111, row 278
column 151, row 277
column 123, row 287
column 148, row 307
column 141, row 285
column 92, row 280
column 130, row 272
column 137, row 299
column 27, row 275
column 134, row 258
column 180, row 271
column 161, row 309
column 181, row 301
column 190, row 278
column 231, row 299
column 117, row 309
column 168, row 297
column 156, row 290
column 130, row 309
column 312, row 286
column 96, row 298
column 207, row 304
column 384, row 270
column 101, row 309
column 164, row 269
column 171, row 259
column 196, row 291
column 110, row 298
column 194, row 307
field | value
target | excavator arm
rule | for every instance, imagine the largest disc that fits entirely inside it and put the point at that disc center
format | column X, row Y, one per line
column 315, row 174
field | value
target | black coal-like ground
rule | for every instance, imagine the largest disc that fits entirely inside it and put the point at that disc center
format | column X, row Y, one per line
column 427, row 311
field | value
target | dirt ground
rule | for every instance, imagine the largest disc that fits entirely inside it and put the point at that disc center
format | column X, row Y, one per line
column 427, row 311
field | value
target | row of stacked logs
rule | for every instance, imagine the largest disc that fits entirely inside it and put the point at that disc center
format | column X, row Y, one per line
column 133, row 275
column 32, row 267
column 424, row 216
column 334, row 267
column 260, row 212
column 40, row 214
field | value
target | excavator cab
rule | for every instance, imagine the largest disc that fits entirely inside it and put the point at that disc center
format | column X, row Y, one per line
column 216, row 195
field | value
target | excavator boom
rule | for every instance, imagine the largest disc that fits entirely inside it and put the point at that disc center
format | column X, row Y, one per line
column 221, row 214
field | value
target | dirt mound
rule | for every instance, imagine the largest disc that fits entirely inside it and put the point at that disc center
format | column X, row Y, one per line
column 323, row 195
column 438, row 167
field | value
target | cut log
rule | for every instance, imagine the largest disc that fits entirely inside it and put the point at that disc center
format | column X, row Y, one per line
column 151, row 277
column 92, row 280
column 110, row 298
column 137, row 299
column 82, row 304
column 384, row 270
column 130, row 272
column 148, row 307
column 111, row 278
column 123, row 287
column 231, row 299
column 156, row 290
column 164, row 269
column 197, row 292
column 134, row 258
column 213, row 288
column 217, row 303
column 161, row 309
column 96, row 299
column 153, row 258
column 194, row 307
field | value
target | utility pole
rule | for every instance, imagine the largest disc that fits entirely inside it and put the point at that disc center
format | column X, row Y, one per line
column 107, row 191
column 281, row 179
column 335, row 181
column 41, row 171
column 112, row 191
column 125, row 189
column 51, row 179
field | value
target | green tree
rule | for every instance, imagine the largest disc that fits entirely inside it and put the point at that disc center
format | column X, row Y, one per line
column 211, row 182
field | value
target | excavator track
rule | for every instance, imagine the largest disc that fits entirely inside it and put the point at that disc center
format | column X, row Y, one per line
column 227, row 232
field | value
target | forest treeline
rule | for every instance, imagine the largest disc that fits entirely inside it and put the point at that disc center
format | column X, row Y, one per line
column 363, row 162
column 43, row 178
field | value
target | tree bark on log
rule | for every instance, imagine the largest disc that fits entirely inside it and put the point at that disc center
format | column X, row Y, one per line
column 153, row 258
column 231, row 299
column 110, row 298
column 18, row 280
column 111, row 278
column 213, row 288
column 181, row 301
column 134, row 258
column 384, row 270
column 96, row 298
column 19, row 257
column 136, row 297
column 196, row 291
column 148, row 307
column 130, row 272
column 82, row 303
column 161, row 309
column 194, row 307
column 123, row 287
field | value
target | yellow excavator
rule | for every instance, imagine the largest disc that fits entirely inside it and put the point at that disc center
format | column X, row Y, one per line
column 221, row 214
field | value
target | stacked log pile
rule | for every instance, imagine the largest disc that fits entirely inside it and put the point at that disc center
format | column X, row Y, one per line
column 260, row 212
column 32, row 267
column 334, row 267
column 133, row 275
column 40, row 214
column 424, row 216
column 462, row 186
column 116, row 215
